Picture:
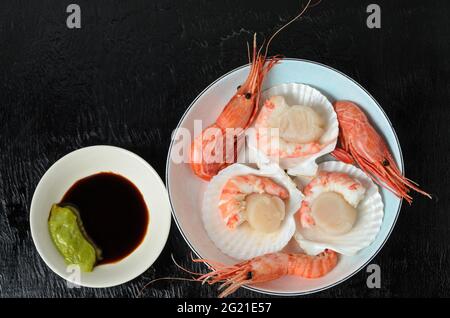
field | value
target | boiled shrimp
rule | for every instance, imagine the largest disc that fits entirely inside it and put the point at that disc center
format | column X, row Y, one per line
column 361, row 143
column 211, row 151
column 232, row 198
column 269, row 267
column 217, row 146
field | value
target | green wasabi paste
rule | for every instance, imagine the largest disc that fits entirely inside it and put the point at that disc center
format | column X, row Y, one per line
column 66, row 232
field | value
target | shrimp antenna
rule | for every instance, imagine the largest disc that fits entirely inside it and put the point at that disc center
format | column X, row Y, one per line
column 184, row 269
column 141, row 291
column 288, row 23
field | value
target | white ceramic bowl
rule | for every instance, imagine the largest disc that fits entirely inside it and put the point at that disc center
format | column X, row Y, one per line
column 82, row 163
column 186, row 200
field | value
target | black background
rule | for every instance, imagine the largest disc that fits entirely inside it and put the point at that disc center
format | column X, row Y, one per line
column 126, row 77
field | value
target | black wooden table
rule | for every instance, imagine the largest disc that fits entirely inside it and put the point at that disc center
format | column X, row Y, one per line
column 126, row 77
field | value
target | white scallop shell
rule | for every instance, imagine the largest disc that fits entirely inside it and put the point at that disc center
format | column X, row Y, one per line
column 243, row 242
column 299, row 94
column 366, row 228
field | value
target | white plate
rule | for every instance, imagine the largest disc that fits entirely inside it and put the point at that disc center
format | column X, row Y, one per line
column 186, row 200
column 82, row 163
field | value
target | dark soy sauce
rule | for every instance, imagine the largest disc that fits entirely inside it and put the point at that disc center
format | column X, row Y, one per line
column 113, row 213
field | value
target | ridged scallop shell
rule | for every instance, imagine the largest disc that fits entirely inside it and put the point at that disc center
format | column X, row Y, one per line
column 243, row 242
column 299, row 94
column 366, row 228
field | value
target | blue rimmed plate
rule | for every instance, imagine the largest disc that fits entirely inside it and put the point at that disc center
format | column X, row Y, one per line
column 185, row 189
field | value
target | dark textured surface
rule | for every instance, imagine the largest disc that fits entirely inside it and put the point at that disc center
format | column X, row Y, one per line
column 128, row 75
